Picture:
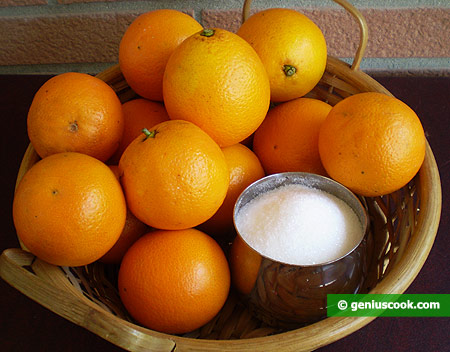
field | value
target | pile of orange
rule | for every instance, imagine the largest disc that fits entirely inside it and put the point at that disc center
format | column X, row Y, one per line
column 151, row 183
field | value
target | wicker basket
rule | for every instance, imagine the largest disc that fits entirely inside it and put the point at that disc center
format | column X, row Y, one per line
column 403, row 237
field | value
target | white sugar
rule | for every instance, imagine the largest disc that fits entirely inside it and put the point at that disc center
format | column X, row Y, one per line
column 299, row 225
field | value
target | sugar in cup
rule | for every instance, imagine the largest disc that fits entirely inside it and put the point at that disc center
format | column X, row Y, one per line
column 300, row 237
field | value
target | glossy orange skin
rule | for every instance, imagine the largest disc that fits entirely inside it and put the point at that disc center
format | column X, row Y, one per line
column 244, row 266
column 287, row 37
column 132, row 230
column 288, row 139
column 174, row 281
column 75, row 112
column 138, row 113
column 219, row 83
column 69, row 209
column 372, row 143
column 245, row 168
column 177, row 178
column 146, row 46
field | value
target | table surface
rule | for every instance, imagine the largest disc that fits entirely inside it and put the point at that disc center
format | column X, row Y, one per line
column 27, row 326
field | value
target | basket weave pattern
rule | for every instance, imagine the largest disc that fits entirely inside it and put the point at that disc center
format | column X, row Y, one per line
column 403, row 226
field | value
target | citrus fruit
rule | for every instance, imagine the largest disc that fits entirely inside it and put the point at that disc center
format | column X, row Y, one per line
column 288, row 139
column 174, row 281
column 132, row 230
column 69, row 209
column 75, row 112
column 146, row 46
column 215, row 80
column 138, row 114
column 244, row 266
column 174, row 176
column 291, row 47
column 245, row 168
column 372, row 143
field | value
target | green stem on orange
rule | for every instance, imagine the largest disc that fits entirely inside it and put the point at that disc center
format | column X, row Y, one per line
column 149, row 134
column 207, row 32
column 289, row 70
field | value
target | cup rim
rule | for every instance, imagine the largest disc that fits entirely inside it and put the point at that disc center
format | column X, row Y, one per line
column 304, row 175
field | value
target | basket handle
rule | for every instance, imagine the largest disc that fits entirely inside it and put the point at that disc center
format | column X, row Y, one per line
column 77, row 309
column 363, row 37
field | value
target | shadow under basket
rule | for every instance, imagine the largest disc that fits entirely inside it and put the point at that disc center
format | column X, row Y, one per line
column 403, row 225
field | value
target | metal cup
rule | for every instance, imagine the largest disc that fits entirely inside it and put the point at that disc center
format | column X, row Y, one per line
column 287, row 295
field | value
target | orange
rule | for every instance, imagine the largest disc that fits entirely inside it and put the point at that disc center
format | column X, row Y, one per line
column 244, row 266
column 288, row 139
column 245, row 168
column 292, row 48
column 75, row 112
column 174, row 176
column 132, row 230
column 146, row 46
column 138, row 113
column 69, row 209
column 215, row 80
column 174, row 281
column 372, row 143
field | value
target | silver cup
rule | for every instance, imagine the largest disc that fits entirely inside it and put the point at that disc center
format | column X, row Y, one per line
column 286, row 295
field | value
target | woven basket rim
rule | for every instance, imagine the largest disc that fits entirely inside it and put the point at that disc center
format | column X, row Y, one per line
column 330, row 329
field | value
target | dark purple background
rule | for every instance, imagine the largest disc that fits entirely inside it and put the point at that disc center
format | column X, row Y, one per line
column 27, row 326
